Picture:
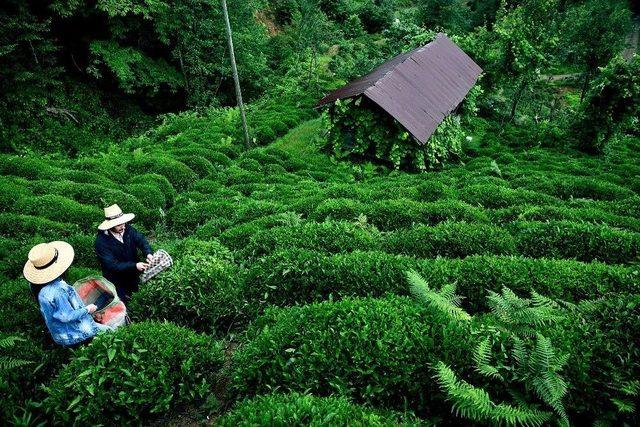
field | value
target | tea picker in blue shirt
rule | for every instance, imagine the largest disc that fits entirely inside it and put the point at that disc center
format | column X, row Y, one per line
column 69, row 321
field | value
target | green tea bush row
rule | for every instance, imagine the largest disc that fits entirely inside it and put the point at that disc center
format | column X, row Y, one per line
column 59, row 208
column 450, row 239
column 136, row 373
column 591, row 215
column 396, row 214
column 373, row 351
column 297, row 276
column 17, row 226
column 328, row 236
column 179, row 175
column 584, row 242
column 98, row 196
column 494, row 196
column 568, row 186
column 200, row 292
column 161, row 182
column 239, row 236
column 11, row 191
column 301, row 410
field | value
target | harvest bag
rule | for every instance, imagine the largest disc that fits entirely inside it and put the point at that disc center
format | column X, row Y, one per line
column 160, row 262
column 101, row 292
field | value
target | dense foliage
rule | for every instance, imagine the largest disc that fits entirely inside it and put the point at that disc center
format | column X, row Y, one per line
column 290, row 300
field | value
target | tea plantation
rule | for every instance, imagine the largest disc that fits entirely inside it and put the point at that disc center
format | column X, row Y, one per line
column 307, row 291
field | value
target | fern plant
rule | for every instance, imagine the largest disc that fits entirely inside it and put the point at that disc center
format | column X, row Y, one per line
column 8, row 363
column 528, row 360
column 475, row 403
column 445, row 300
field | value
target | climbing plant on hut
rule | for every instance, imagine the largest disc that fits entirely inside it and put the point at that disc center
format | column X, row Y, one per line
column 359, row 129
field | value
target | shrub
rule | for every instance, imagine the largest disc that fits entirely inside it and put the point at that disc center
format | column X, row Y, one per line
column 207, row 248
column 559, row 213
column 567, row 187
column 18, row 226
column 184, row 218
column 330, row 237
column 200, row 292
column 19, row 311
column 493, row 196
column 98, row 196
column 58, row 208
column 374, row 351
column 24, row 383
column 134, row 374
column 103, row 166
column 304, row 410
column 179, row 175
column 159, row 181
column 239, row 236
column 149, row 195
column 27, row 167
column 584, row 242
column 199, row 165
column 213, row 228
column 450, row 239
column 11, row 191
column 298, row 276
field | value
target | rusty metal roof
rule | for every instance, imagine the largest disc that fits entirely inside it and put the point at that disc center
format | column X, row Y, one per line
column 418, row 88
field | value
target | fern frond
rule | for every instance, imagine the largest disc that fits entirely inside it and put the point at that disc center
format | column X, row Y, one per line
column 482, row 359
column 9, row 363
column 9, row 341
column 476, row 404
column 631, row 388
column 547, row 383
column 522, row 315
column 444, row 301
column 624, row 405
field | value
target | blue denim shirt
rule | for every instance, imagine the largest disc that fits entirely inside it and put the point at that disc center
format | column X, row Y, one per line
column 65, row 314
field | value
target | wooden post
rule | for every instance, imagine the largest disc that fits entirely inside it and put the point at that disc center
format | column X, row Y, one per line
column 235, row 74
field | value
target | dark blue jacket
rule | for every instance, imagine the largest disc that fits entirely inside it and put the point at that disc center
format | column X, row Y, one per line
column 118, row 260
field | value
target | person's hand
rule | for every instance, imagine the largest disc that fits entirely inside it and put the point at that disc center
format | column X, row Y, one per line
column 92, row 308
column 149, row 258
column 141, row 266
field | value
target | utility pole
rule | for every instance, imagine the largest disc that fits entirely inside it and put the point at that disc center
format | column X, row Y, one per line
column 235, row 74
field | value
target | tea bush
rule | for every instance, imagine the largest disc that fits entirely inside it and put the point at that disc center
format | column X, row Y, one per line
column 450, row 239
column 159, row 181
column 149, row 195
column 395, row 214
column 58, row 208
column 134, row 374
column 17, row 226
column 179, row 175
column 301, row 410
column 199, row 292
column 296, row 276
column 560, row 213
column 239, row 236
column 373, row 351
column 584, row 242
column 328, row 236
column 493, row 196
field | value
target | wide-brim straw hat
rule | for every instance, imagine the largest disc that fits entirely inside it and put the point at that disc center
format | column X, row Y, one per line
column 47, row 261
column 114, row 216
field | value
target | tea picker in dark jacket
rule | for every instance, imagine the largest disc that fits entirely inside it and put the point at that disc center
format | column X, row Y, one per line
column 117, row 245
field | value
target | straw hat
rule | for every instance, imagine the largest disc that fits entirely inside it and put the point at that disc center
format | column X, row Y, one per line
column 114, row 216
column 47, row 261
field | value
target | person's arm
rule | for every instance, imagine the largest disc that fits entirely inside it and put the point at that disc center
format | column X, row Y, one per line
column 141, row 242
column 64, row 312
column 109, row 262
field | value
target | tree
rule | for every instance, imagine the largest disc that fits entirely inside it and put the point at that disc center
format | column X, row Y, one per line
column 611, row 106
column 593, row 32
column 527, row 36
